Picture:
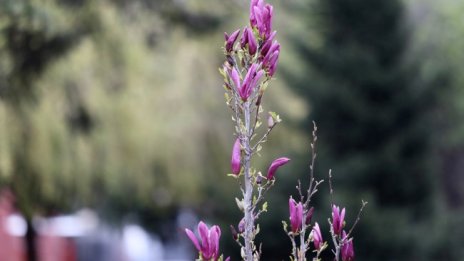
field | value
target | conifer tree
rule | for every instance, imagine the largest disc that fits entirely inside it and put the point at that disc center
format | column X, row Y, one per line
column 374, row 121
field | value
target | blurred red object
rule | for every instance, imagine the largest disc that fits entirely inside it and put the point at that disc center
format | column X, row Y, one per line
column 54, row 248
column 12, row 247
column 49, row 247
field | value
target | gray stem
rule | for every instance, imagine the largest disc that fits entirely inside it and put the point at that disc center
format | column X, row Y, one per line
column 302, row 242
column 248, row 197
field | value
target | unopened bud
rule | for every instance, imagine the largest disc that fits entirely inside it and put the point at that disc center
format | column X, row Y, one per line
column 234, row 232
column 230, row 40
column 309, row 216
column 241, row 226
column 270, row 121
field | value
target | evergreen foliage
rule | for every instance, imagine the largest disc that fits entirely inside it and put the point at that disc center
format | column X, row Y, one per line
column 375, row 122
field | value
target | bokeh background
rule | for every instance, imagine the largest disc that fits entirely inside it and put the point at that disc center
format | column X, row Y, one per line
column 113, row 110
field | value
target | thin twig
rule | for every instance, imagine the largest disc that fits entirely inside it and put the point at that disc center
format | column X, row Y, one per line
column 364, row 203
column 331, row 188
column 313, row 158
column 264, row 137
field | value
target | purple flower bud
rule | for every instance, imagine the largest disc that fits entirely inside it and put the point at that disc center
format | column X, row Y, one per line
column 252, row 44
column 228, row 258
column 234, row 232
column 347, row 249
column 241, row 226
column 244, row 40
column 317, row 237
column 270, row 62
column 236, row 155
column 209, row 247
column 267, row 44
column 275, row 165
column 309, row 216
column 253, row 4
column 249, row 38
column 266, row 27
column 233, row 74
column 251, row 80
column 337, row 219
column 261, row 17
column 273, row 69
column 230, row 40
column 296, row 215
column 275, row 46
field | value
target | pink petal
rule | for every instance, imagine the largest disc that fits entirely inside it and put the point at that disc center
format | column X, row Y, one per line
column 204, row 234
column 235, row 78
column 236, row 154
column 193, row 238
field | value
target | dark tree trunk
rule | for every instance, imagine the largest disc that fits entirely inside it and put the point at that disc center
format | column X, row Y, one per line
column 31, row 244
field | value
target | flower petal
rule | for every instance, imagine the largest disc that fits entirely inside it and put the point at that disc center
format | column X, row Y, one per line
column 236, row 155
column 204, row 234
column 193, row 238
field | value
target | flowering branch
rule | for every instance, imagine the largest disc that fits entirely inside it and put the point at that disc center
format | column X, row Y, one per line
column 250, row 65
column 251, row 62
column 342, row 242
column 300, row 220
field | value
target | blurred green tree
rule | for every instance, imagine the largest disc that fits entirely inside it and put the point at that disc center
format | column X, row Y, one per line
column 85, row 109
column 32, row 36
column 375, row 122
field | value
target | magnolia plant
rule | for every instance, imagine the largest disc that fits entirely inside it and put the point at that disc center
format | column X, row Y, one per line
column 251, row 58
column 300, row 222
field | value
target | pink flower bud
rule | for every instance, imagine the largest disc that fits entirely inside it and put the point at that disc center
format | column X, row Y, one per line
column 277, row 163
column 209, row 247
column 275, row 46
column 248, row 39
column 233, row 74
column 230, row 40
column 273, row 69
column 296, row 215
column 337, row 219
column 267, row 44
column 270, row 62
column 234, row 232
column 347, row 249
column 236, row 155
column 309, row 216
column 261, row 17
column 241, row 226
column 317, row 237
column 270, row 55
column 253, row 4
column 244, row 40
column 250, row 82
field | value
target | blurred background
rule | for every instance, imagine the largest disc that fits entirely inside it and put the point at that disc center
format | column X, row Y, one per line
column 114, row 134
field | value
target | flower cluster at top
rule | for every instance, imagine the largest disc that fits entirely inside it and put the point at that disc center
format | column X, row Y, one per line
column 252, row 55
